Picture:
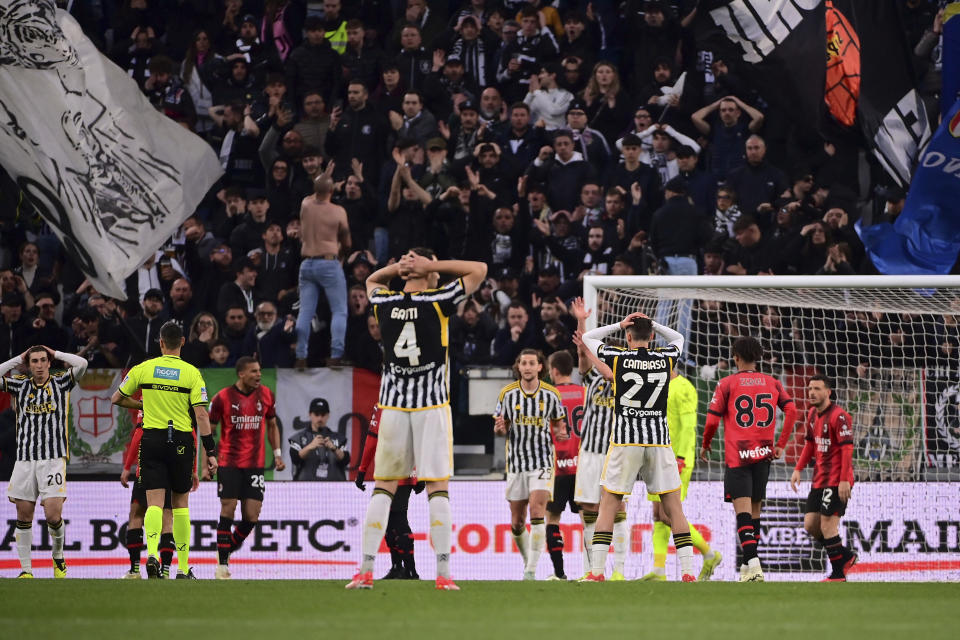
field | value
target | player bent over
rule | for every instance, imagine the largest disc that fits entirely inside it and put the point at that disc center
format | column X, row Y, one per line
column 528, row 411
column 829, row 442
column 40, row 472
column 399, row 536
column 598, row 417
column 747, row 402
column 416, row 428
column 138, row 508
column 640, row 444
column 243, row 410
column 682, row 421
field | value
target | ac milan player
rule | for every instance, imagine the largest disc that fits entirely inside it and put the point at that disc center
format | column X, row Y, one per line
column 138, row 509
column 242, row 410
column 398, row 536
column 829, row 442
column 560, row 365
column 747, row 402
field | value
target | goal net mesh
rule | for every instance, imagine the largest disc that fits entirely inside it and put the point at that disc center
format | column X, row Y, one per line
column 892, row 354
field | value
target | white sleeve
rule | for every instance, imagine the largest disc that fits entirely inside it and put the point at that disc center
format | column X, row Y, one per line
column 682, row 139
column 10, row 365
column 673, row 338
column 78, row 364
column 594, row 338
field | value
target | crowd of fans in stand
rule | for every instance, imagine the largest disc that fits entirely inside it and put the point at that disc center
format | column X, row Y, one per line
column 544, row 138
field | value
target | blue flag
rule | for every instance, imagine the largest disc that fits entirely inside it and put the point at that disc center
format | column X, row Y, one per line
column 925, row 237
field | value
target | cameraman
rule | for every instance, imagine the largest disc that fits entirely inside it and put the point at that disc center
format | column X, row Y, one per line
column 319, row 453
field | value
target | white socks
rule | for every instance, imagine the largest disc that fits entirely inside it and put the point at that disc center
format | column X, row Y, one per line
column 538, row 540
column 57, row 536
column 24, row 536
column 621, row 543
column 522, row 541
column 374, row 526
column 685, row 558
column 441, row 530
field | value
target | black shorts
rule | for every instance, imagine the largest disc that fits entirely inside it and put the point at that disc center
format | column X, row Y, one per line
column 167, row 464
column 826, row 501
column 749, row 481
column 563, row 487
column 240, row 484
column 139, row 496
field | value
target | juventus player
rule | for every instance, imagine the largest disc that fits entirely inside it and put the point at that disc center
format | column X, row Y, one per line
column 242, row 409
column 598, row 416
column 747, row 402
column 640, row 442
column 528, row 411
column 41, row 402
column 416, row 429
column 829, row 442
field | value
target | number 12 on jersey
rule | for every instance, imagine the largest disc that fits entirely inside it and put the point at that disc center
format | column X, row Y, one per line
column 406, row 344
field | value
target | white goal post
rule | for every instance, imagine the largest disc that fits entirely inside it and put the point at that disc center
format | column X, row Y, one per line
column 891, row 345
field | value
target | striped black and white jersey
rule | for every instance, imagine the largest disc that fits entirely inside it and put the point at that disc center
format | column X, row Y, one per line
column 641, row 378
column 598, row 414
column 41, row 415
column 414, row 328
column 529, row 441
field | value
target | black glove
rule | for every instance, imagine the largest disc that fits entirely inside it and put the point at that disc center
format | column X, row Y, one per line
column 359, row 481
column 419, row 487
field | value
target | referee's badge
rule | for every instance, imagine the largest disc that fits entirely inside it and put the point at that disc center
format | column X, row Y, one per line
column 181, row 450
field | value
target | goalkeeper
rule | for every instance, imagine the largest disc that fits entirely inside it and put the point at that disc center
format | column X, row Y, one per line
column 682, row 422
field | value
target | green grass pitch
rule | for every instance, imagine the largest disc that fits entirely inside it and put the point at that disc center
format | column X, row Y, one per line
column 277, row 610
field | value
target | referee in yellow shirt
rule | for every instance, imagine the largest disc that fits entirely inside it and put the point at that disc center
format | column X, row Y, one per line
column 174, row 399
column 682, row 422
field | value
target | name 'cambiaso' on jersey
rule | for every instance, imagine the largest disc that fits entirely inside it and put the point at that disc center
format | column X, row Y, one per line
column 598, row 414
column 414, row 328
column 41, row 415
column 640, row 380
column 529, row 445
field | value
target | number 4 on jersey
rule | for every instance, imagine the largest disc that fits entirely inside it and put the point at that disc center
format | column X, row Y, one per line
column 406, row 345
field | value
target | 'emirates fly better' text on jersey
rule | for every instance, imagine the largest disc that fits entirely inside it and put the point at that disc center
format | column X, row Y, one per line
column 640, row 379
column 414, row 327
column 243, row 425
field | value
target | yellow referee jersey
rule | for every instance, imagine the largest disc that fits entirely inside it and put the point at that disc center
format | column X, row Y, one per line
column 682, row 418
column 171, row 388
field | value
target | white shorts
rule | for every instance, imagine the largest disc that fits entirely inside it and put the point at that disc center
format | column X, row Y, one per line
column 32, row 479
column 589, row 471
column 522, row 483
column 656, row 467
column 421, row 440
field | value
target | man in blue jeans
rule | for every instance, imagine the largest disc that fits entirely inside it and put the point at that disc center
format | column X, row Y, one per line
column 325, row 237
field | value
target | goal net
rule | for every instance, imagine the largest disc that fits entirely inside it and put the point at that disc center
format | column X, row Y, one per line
column 890, row 344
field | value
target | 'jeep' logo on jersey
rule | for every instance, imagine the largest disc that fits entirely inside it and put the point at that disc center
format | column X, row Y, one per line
column 166, row 374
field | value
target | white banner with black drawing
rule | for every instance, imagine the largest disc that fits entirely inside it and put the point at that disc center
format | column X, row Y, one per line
column 110, row 174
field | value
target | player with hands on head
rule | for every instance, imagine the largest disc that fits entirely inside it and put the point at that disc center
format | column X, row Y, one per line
column 829, row 443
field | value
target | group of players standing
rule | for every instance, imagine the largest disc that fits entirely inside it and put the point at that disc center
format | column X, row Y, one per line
column 636, row 416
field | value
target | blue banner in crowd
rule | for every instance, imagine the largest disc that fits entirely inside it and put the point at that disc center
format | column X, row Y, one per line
column 925, row 238
column 950, row 57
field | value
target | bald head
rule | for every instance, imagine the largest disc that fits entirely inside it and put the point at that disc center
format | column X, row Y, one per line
column 323, row 186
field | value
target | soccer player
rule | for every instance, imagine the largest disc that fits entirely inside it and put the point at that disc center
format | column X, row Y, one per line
column 243, row 410
column 41, row 400
column 829, row 442
column 640, row 443
column 416, row 429
column 747, row 402
column 528, row 412
column 138, row 507
column 682, row 422
column 560, row 365
column 399, row 536
column 598, row 417
column 174, row 396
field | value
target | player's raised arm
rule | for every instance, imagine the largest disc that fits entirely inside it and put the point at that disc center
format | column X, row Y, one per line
column 78, row 364
column 382, row 277
column 473, row 273
column 673, row 338
column 579, row 311
column 10, row 365
column 594, row 338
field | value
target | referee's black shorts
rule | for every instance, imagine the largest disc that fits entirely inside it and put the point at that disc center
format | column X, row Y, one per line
column 167, row 465
column 139, row 496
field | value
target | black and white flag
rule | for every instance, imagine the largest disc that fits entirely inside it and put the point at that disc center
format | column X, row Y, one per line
column 110, row 174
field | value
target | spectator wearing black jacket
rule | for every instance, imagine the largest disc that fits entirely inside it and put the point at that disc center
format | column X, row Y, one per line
column 520, row 333
column 314, row 65
column 240, row 292
column 414, row 62
column 525, row 56
column 271, row 338
column 677, row 231
column 46, row 329
column 277, row 268
column 521, row 143
column 144, row 328
column 15, row 329
column 701, row 186
column 471, row 334
column 632, row 172
column 563, row 174
column 361, row 60
column 357, row 132
column 752, row 253
column 757, row 182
